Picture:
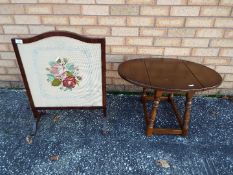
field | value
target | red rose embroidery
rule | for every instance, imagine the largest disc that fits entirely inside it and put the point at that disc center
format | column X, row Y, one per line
column 69, row 82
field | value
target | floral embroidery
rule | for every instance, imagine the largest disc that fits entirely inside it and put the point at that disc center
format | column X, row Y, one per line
column 63, row 74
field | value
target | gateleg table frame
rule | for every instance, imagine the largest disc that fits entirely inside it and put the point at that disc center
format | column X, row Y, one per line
column 165, row 75
column 150, row 118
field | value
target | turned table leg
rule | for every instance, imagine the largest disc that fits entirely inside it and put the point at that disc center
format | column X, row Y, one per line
column 188, row 105
column 150, row 125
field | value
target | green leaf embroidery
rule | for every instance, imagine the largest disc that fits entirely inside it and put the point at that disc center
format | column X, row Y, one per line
column 79, row 78
column 69, row 74
column 56, row 82
column 70, row 67
column 51, row 77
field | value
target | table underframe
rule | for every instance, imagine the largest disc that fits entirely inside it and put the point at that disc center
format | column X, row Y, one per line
column 151, row 117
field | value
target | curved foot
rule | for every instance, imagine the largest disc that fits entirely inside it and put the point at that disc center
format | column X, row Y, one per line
column 35, row 127
column 29, row 139
column 104, row 132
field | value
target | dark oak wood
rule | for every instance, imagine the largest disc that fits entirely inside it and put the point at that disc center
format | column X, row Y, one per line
column 167, row 131
column 150, row 126
column 169, row 76
column 188, row 105
column 177, row 114
column 151, row 98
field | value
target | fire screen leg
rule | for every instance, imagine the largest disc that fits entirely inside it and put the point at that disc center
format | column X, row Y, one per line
column 105, row 130
column 35, row 126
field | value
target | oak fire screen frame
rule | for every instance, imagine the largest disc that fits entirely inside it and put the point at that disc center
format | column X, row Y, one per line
column 62, row 70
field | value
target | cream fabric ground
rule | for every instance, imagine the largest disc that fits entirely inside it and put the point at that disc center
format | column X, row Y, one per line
column 87, row 56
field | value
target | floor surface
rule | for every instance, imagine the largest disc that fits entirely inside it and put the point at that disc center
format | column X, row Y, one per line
column 82, row 148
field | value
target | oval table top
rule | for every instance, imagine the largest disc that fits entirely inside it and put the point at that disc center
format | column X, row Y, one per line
column 169, row 74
